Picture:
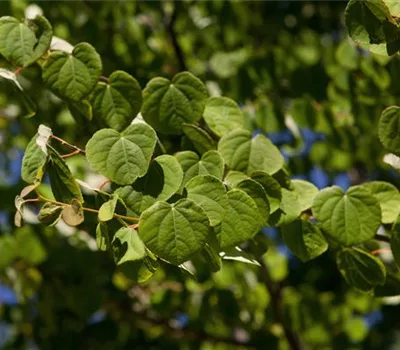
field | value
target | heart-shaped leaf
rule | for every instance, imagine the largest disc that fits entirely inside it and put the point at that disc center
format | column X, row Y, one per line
column 167, row 105
column 24, row 44
column 360, row 269
column 117, row 102
column 349, row 218
column 239, row 223
column 210, row 163
column 304, row 239
column 209, row 193
column 122, row 157
column 107, row 209
column 174, row 232
column 243, row 153
column 74, row 75
column 222, row 115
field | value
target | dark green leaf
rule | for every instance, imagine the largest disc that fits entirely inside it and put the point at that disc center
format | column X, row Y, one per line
column 360, row 269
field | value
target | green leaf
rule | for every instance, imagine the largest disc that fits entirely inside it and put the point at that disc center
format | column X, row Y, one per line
column 139, row 271
column 256, row 191
column 172, row 176
column 117, row 102
column 200, row 139
column 290, row 207
column 389, row 130
column 102, row 236
column 174, row 232
column 388, row 197
column 243, row 153
column 127, row 246
column 167, row 105
column 349, row 218
column 271, row 188
column 34, row 161
column 237, row 254
column 305, row 193
column 50, row 214
column 135, row 200
column 107, row 209
column 73, row 214
column 44, row 33
column 212, row 258
column 233, row 178
column 122, row 157
column 63, row 184
column 24, row 44
column 239, row 223
column 222, row 115
column 364, row 20
column 360, row 269
column 304, row 239
column 210, row 163
column 11, row 76
column 74, row 75
column 209, row 193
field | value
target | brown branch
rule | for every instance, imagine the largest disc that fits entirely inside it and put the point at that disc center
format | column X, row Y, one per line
column 275, row 290
column 169, row 23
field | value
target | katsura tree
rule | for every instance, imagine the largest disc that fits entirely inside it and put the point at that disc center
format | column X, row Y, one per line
column 187, row 185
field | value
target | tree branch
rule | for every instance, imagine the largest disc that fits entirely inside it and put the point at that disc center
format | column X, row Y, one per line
column 275, row 290
column 169, row 22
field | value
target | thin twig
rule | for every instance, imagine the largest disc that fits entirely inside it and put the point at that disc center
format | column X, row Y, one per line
column 70, row 154
column 90, row 210
column 275, row 290
column 65, row 143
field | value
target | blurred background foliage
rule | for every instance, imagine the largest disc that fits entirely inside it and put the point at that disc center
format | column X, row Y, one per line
column 301, row 81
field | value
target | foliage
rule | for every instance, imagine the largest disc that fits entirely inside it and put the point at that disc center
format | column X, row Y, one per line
column 190, row 179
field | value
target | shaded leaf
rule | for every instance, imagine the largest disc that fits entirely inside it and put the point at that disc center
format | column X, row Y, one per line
column 388, row 130
column 63, row 184
column 360, row 269
column 50, row 214
column 304, row 239
column 200, row 139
